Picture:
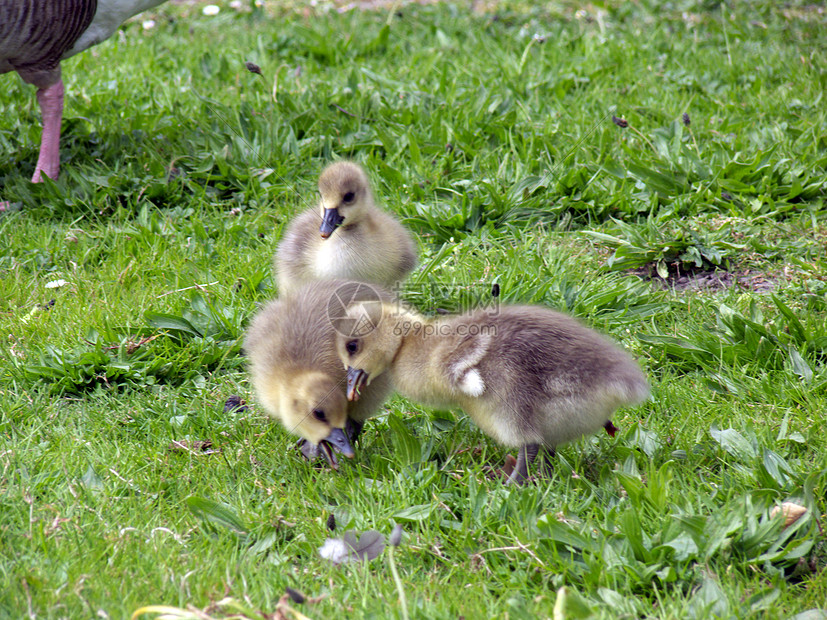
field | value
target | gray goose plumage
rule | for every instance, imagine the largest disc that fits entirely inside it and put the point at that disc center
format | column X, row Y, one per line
column 35, row 35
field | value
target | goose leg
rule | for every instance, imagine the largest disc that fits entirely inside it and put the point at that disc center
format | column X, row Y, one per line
column 547, row 466
column 525, row 458
column 51, row 109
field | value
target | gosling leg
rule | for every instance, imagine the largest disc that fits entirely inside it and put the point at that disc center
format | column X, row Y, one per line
column 525, row 458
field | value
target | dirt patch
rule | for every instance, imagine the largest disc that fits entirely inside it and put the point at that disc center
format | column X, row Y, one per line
column 716, row 280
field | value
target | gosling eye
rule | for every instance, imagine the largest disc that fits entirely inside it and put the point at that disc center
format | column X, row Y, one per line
column 319, row 415
column 348, row 197
column 352, row 347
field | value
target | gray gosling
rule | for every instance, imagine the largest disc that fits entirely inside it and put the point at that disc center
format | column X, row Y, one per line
column 529, row 377
column 296, row 372
column 347, row 237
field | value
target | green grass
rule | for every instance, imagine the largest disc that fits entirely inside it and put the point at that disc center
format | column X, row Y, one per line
column 491, row 132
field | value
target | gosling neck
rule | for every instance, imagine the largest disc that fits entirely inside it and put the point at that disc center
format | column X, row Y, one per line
column 416, row 369
column 412, row 326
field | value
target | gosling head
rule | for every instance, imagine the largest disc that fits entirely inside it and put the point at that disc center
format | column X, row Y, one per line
column 345, row 196
column 316, row 409
column 366, row 356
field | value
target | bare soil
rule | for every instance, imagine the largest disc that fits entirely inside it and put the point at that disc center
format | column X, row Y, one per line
column 718, row 279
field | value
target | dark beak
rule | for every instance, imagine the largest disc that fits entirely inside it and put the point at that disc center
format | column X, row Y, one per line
column 336, row 440
column 309, row 450
column 356, row 379
column 326, row 451
column 330, row 222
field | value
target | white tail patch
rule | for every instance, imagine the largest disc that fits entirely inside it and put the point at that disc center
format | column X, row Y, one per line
column 472, row 383
column 461, row 371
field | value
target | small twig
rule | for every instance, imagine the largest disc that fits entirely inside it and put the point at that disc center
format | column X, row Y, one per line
column 392, row 12
column 282, row 609
column 818, row 524
column 343, row 111
column 520, row 547
column 442, row 505
column 198, row 613
column 230, row 467
column 131, row 345
column 403, row 601
column 275, row 92
column 28, row 595
column 180, row 290
column 498, row 549
column 645, row 139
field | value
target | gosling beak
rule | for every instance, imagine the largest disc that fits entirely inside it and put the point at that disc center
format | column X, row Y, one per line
column 309, row 450
column 336, row 440
column 356, row 379
column 330, row 222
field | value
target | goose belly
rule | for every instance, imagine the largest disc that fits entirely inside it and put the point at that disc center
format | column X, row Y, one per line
column 109, row 16
column 34, row 35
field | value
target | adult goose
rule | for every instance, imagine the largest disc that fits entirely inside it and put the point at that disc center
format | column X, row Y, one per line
column 35, row 35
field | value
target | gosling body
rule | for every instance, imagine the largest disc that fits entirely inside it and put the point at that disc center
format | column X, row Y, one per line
column 296, row 373
column 347, row 237
column 529, row 377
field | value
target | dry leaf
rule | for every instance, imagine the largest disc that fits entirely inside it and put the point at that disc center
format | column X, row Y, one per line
column 510, row 464
column 185, row 445
column 792, row 512
column 235, row 404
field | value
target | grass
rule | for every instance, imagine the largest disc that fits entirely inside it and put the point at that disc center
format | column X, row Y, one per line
column 126, row 484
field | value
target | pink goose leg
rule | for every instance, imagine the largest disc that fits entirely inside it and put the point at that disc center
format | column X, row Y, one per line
column 51, row 108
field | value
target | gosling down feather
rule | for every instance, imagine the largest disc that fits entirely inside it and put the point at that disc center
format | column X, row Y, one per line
column 35, row 35
column 296, row 374
column 529, row 377
column 347, row 236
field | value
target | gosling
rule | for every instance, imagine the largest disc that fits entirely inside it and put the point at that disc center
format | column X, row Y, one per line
column 529, row 377
column 347, row 237
column 297, row 375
